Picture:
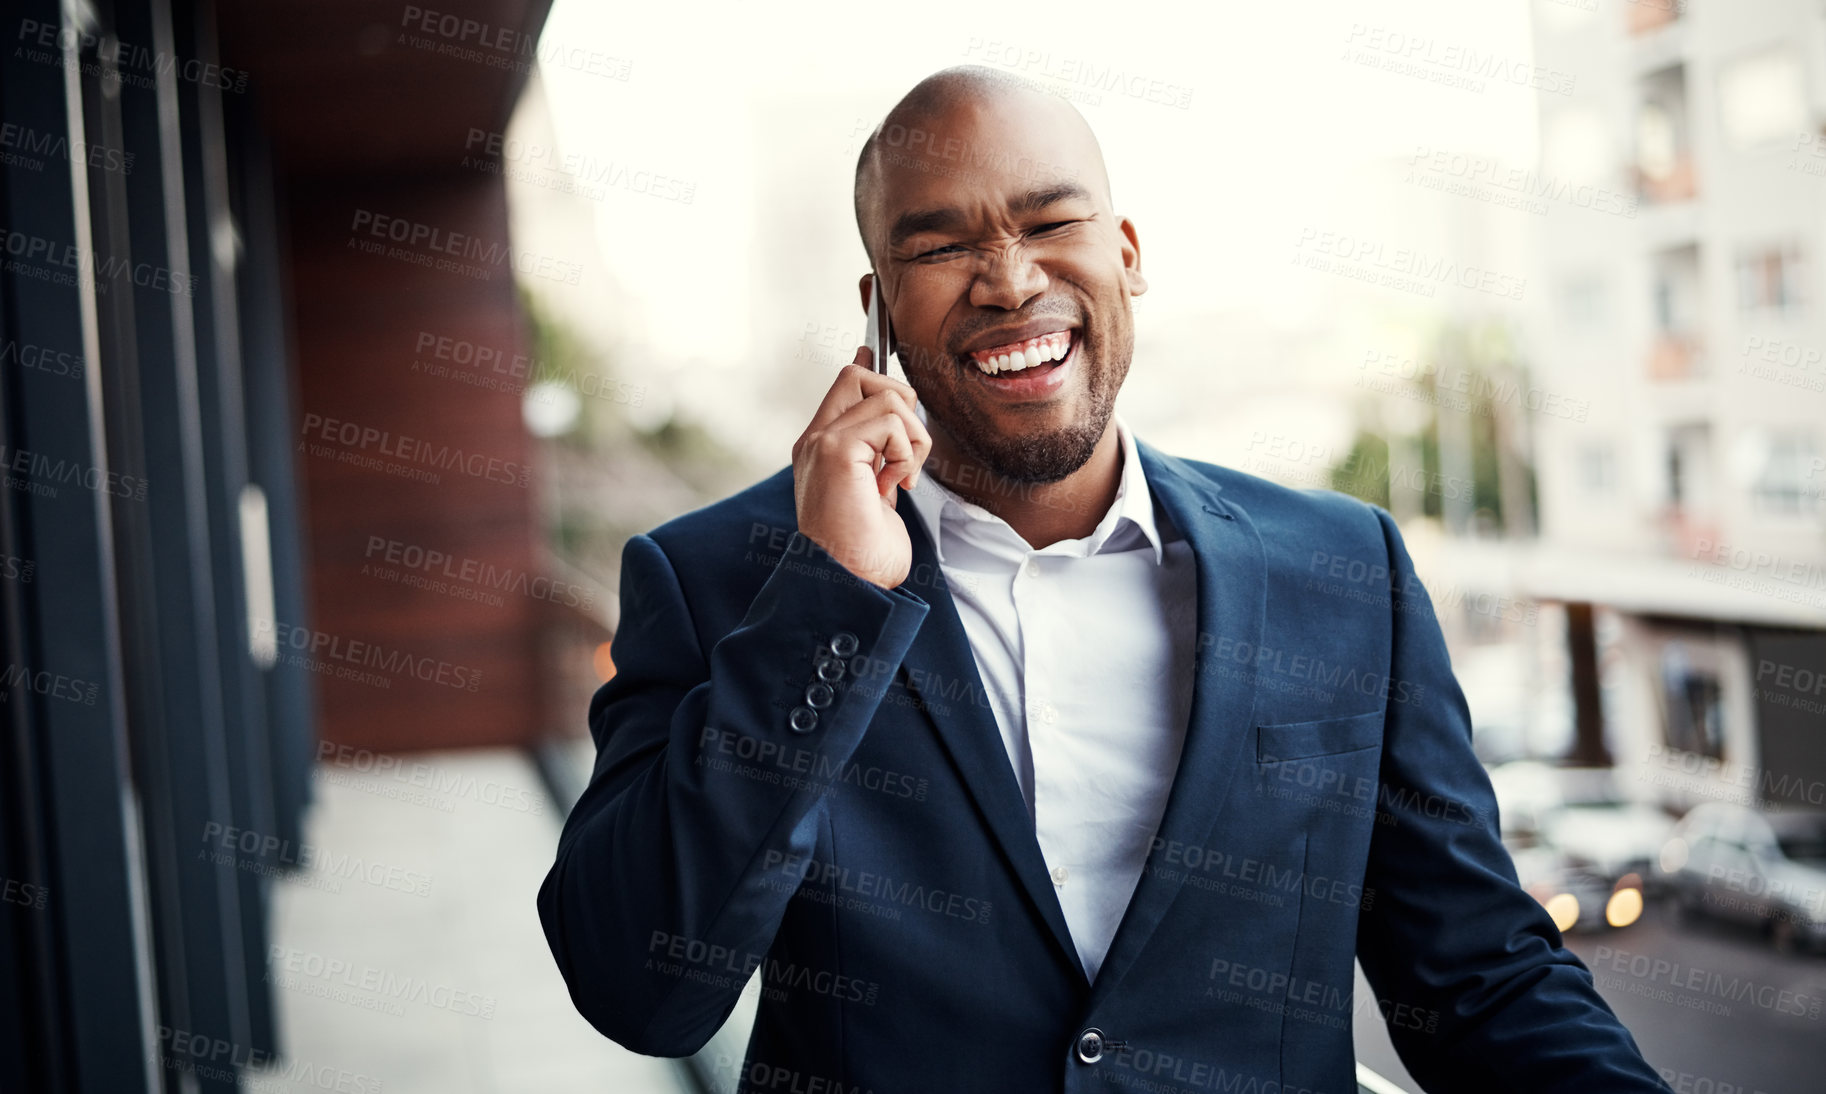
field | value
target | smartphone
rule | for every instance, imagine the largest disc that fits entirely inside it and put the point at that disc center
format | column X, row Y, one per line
column 877, row 338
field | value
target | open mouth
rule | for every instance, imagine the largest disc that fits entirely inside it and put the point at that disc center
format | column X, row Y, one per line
column 1025, row 360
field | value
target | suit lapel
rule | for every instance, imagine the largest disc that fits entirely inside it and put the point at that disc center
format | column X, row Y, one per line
column 1232, row 599
column 939, row 661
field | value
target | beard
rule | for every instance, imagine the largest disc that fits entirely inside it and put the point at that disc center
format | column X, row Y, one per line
column 1033, row 458
column 1038, row 457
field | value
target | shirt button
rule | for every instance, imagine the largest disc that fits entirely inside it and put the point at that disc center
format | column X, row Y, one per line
column 1060, row 875
column 1090, row 1045
column 1033, row 568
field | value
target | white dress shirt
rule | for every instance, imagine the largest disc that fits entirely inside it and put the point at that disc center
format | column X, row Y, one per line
column 1085, row 649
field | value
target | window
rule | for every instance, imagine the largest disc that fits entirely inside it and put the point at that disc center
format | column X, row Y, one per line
column 1675, row 283
column 1689, row 467
column 1695, row 717
column 1597, row 468
column 1769, row 281
column 1676, row 352
column 1582, row 302
column 1787, row 482
column 1664, row 164
column 1664, row 304
column 1657, row 140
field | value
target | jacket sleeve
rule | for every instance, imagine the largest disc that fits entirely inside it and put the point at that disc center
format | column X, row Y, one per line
column 666, row 890
column 1452, row 935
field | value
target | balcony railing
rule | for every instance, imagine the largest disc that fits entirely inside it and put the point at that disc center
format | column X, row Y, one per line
column 1685, row 533
column 1675, row 357
column 1646, row 15
column 1678, row 183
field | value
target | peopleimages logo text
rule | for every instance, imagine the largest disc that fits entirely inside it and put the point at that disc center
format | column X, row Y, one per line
column 429, row 239
column 354, row 436
column 334, row 648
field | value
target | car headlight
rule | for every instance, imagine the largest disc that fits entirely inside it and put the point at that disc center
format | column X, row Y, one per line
column 1624, row 907
column 1564, row 908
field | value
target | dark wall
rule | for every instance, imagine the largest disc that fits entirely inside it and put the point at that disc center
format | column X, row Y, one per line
column 1788, row 674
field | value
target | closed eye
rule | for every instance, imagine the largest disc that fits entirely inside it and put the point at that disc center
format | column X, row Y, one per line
column 940, row 252
column 1053, row 227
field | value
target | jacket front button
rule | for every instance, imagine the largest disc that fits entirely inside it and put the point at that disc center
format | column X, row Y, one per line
column 1090, row 1045
column 803, row 720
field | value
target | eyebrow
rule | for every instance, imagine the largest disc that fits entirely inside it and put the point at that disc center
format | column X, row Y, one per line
column 917, row 221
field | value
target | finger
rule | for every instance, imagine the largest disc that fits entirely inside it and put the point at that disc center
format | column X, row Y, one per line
column 875, row 437
column 871, row 382
column 890, row 403
column 897, row 458
column 853, row 384
column 917, row 435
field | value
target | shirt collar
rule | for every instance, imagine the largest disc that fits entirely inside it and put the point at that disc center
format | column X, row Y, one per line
column 945, row 514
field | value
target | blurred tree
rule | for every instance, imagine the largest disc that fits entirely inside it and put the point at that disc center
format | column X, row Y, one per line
column 1364, row 471
column 1467, row 463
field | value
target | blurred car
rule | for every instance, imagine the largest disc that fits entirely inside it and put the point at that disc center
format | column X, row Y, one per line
column 1732, row 862
column 1527, row 790
column 1583, row 813
column 1612, row 839
column 1576, row 897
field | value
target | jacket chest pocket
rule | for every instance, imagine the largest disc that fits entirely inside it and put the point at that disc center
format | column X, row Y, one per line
column 1325, row 737
column 1320, row 775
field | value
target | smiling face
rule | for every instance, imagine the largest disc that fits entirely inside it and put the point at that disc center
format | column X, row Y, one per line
column 1007, row 275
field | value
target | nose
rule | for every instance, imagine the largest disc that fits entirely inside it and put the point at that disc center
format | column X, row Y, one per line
column 1008, row 281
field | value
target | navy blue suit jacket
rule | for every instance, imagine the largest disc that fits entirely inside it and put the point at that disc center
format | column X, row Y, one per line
column 872, row 856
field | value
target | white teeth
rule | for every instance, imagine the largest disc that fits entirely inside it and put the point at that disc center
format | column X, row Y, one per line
column 1049, row 348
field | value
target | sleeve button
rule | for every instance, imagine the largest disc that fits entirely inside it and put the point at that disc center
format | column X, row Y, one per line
column 843, row 644
column 803, row 720
column 819, row 696
column 830, row 670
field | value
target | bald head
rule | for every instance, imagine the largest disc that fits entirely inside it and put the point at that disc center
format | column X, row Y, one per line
column 939, row 127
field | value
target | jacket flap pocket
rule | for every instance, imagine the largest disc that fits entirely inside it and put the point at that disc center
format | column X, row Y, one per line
column 1300, row 740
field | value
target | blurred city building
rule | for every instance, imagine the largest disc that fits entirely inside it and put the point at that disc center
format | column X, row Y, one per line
column 1683, row 518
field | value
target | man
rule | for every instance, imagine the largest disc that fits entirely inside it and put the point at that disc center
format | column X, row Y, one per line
column 1017, row 755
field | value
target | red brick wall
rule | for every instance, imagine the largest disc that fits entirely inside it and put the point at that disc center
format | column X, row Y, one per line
column 357, row 318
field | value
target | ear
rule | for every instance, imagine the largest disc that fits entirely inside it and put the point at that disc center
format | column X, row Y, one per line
column 1131, row 257
column 865, row 287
